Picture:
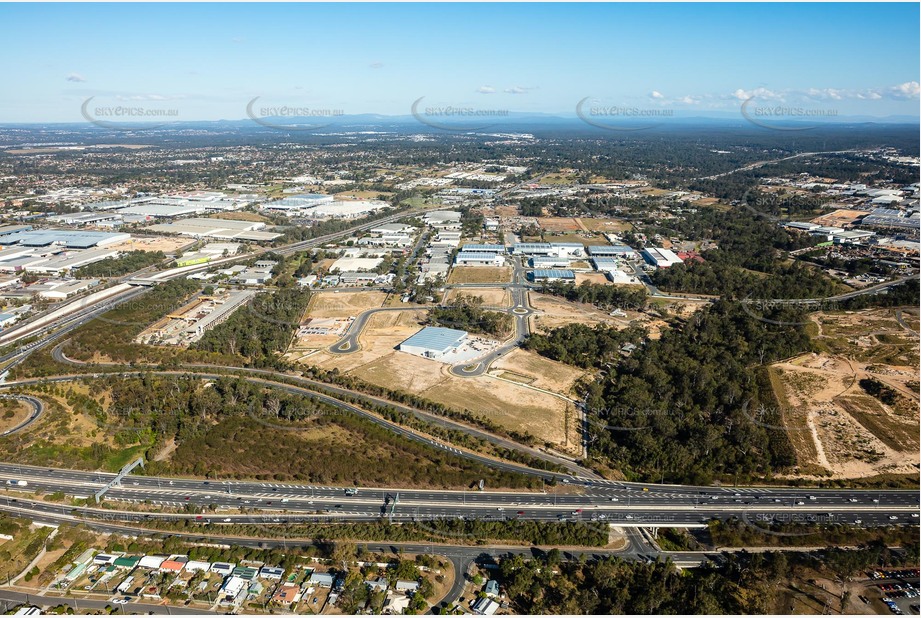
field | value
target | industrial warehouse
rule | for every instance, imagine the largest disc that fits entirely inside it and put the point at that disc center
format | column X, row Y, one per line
column 447, row 345
column 224, row 229
column 189, row 324
column 23, row 249
column 434, row 341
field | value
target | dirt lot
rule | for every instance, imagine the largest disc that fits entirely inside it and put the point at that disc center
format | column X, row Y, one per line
column 164, row 244
column 480, row 274
column 599, row 278
column 554, row 312
column 834, row 425
column 533, row 369
column 558, row 224
column 492, row 297
column 872, row 335
column 839, row 218
column 585, row 238
column 606, row 225
column 343, row 304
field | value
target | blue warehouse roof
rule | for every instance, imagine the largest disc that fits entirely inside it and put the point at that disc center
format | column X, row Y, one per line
column 553, row 274
column 436, row 338
column 484, row 248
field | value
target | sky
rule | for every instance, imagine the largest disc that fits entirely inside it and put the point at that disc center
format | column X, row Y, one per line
column 209, row 61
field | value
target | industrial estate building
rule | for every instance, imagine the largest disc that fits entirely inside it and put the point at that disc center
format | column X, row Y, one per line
column 553, row 275
column 434, row 341
column 217, row 228
column 190, row 323
column 465, row 258
column 660, row 258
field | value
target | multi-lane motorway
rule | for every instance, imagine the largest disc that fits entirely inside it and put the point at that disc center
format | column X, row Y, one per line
column 578, row 500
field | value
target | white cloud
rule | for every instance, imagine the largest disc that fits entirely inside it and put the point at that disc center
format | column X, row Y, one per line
column 75, row 77
column 827, row 93
column 519, row 89
column 759, row 93
column 908, row 90
column 486, row 90
column 655, row 94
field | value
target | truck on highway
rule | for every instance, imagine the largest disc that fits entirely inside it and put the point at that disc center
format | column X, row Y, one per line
column 16, row 483
column 351, row 491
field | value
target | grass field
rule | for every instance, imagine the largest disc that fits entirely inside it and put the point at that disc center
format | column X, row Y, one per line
column 67, row 436
column 796, row 420
column 867, row 411
column 25, row 545
column 480, row 274
column 342, row 450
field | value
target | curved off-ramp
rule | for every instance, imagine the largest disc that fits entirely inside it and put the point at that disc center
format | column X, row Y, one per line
column 38, row 408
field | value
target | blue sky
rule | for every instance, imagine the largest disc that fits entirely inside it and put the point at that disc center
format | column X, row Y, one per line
column 207, row 61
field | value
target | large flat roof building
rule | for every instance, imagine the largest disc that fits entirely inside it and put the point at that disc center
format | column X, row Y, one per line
column 216, row 228
column 64, row 238
column 434, row 341
column 473, row 248
column 465, row 258
column 552, row 274
column 611, row 251
column 661, row 258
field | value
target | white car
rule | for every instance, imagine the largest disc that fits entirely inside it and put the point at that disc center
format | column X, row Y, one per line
column 893, row 517
column 852, row 499
column 614, row 500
